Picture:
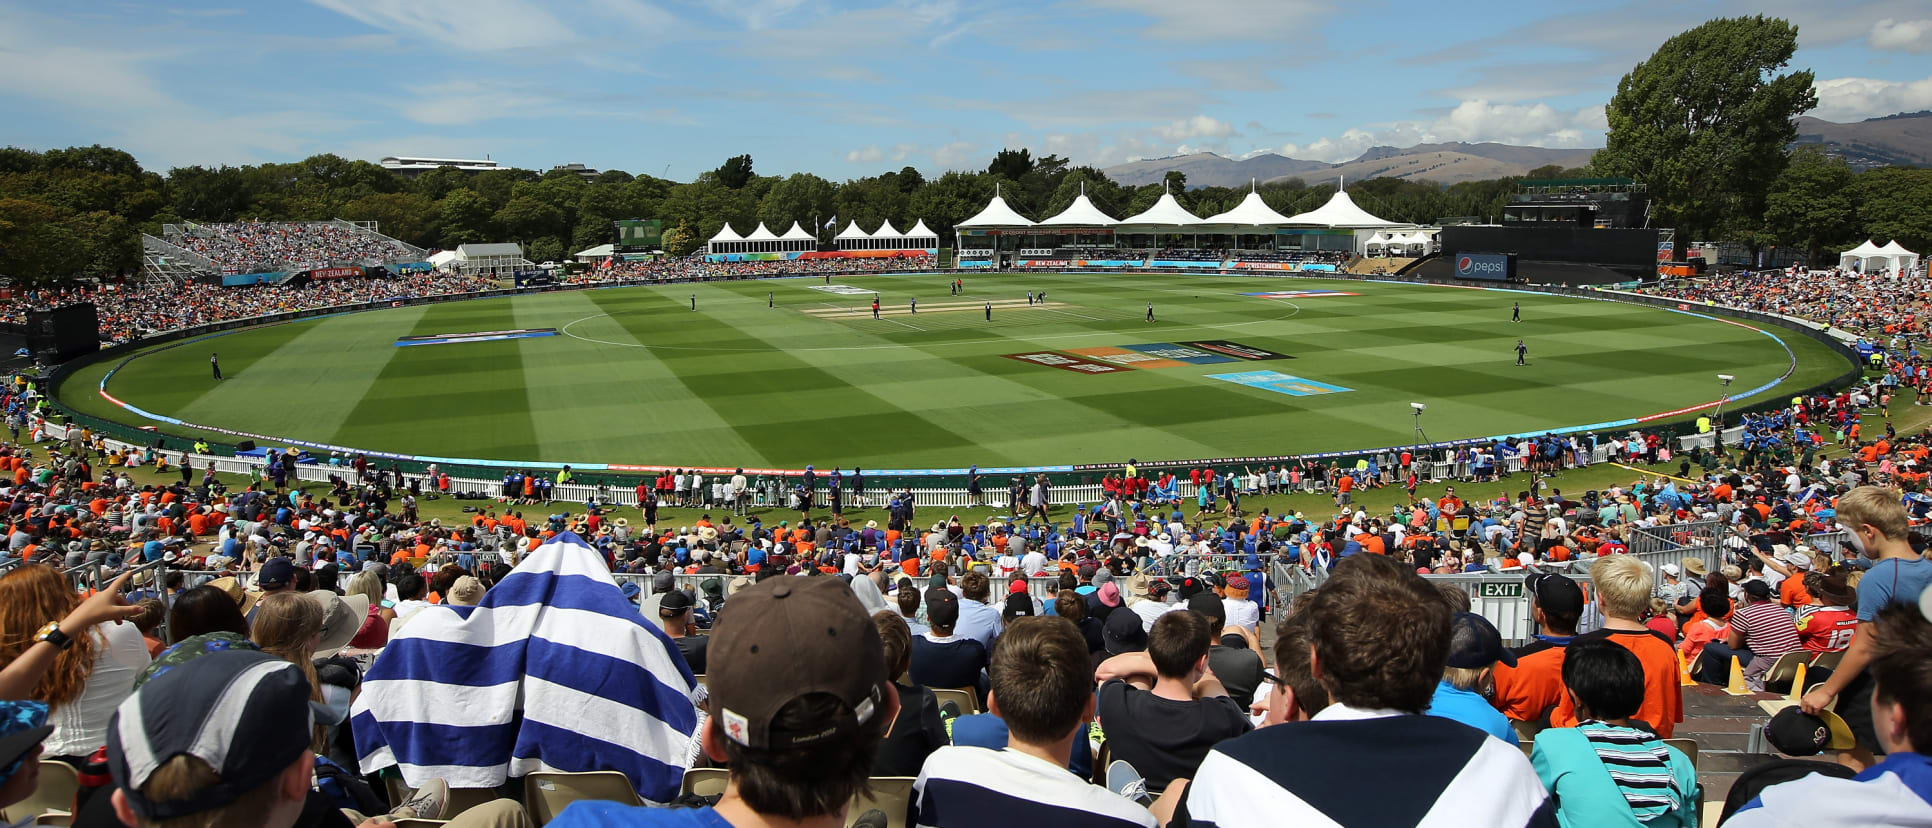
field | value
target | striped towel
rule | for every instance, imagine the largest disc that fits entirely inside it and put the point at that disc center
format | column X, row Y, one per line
column 555, row 670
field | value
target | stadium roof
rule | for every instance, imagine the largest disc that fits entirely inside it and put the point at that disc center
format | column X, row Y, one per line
column 763, row 233
column 1081, row 213
column 599, row 252
column 480, row 251
column 1251, row 211
column 797, row 233
column 920, row 231
column 996, row 214
column 887, row 231
column 853, row 231
column 1165, row 212
column 1340, row 211
column 726, row 234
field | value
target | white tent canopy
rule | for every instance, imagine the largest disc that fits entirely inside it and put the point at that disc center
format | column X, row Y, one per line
column 887, row 231
column 726, row 234
column 1341, row 211
column 920, row 231
column 797, row 233
column 853, row 231
column 1165, row 213
column 1858, row 256
column 602, row 251
column 1252, row 211
column 996, row 214
column 763, row 233
column 1081, row 213
column 1902, row 259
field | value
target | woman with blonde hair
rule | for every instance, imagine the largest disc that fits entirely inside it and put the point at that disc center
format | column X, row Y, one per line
column 91, row 675
column 288, row 625
column 374, row 633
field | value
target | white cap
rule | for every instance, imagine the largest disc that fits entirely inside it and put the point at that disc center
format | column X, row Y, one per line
column 1671, row 569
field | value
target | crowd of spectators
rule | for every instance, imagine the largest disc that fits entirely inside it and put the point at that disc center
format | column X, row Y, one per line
column 263, row 247
column 1879, row 306
column 838, row 652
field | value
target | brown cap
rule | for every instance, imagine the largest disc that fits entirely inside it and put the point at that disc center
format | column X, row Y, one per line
column 786, row 638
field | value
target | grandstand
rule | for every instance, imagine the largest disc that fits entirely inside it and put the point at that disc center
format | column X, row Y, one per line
column 189, row 250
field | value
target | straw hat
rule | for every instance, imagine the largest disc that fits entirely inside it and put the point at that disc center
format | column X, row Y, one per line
column 342, row 618
column 1695, row 566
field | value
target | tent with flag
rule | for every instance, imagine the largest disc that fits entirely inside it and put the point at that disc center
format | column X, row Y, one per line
column 554, row 671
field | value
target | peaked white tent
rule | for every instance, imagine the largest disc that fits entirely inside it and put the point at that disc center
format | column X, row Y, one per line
column 1165, row 213
column 1252, row 212
column 1081, row 213
column 726, row 234
column 798, row 233
column 602, row 251
column 996, row 214
column 887, row 231
column 853, row 231
column 921, row 237
column 763, row 233
column 1902, row 260
column 1856, row 257
column 1341, row 212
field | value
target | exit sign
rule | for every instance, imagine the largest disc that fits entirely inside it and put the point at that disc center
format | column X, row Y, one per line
column 1504, row 590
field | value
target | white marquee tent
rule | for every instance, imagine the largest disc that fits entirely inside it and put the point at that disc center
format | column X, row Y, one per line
column 1341, row 212
column 1902, row 259
column 1856, row 258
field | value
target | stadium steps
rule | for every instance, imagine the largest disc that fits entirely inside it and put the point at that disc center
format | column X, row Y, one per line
column 359, row 227
column 163, row 260
column 1722, row 725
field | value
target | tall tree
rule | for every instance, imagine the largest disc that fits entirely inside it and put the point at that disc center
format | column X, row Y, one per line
column 1703, row 122
column 735, row 172
column 1896, row 203
column 1810, row 205
column 1012, row 164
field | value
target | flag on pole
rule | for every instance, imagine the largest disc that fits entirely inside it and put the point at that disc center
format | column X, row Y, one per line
column 554, row 670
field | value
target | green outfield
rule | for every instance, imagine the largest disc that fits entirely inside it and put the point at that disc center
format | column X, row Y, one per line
column 635, row 376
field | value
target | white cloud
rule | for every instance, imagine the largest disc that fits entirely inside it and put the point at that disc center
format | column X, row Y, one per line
column 1902, row 35
column 1855, row 99
column 1472, row 121
column 1223, row 20
column 467, row 25
column 1199, row 126
column 864, row 155
column 901, row 152
column 956, row 155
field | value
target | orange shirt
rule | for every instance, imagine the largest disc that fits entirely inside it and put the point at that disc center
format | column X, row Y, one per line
column 1372, row 543
column 1663, row 705
column 1532, row 687
column 1792, row 592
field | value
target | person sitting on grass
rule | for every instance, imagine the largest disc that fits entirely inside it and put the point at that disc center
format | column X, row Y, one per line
column 1607, row 771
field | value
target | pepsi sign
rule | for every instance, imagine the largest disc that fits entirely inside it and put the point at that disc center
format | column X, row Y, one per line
column 1492, row 267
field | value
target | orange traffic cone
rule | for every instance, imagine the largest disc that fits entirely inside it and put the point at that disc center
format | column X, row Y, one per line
column 1798, row 685
column 1736, row 685
column 1683, row 671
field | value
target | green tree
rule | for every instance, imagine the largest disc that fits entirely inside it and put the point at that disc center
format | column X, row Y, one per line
column 735, row 172
column 1011, row 164
column 208, row 194
column 545, row 249
column 1810, row 204
column 1175, row 180
column 1704, row 121
column 802, row 197
column 465, row 216
column 528, row 217
column 411, row 217
column 1895, row 203
column 681, row 240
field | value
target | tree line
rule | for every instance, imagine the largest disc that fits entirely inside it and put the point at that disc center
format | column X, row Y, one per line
column 1705, row 123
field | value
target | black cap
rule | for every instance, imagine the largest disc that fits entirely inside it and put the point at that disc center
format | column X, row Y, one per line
column 1474, row 643
column 674, row 602
column 1123, row 633
column 1208, row 604
column 1797, row 733
column 1757, row 589
column 1556, row 594
column 275, row 573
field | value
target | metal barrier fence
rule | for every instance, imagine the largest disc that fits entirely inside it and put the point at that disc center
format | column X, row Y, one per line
column 1837, row 544
column 1499, row 597
column 1672, row 543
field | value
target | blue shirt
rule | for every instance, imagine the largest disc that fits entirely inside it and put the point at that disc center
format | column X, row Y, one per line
column 979, row 622
column 989, row 731
column 589, row 813
column 1892, row 581
column 1470, row 709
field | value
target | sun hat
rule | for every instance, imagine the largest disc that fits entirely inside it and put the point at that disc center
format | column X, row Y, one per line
column 467, row 591
column 245, row 713
column 814, row 633
column 342, row 618
column 1123, row 633
column 1109, row 594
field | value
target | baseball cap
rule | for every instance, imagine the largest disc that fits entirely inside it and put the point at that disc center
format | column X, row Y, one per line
column 1671, row 570
column 1556, row 594
column 1474, row 643
column 23, row 724
column 245, row 713
column 275, row 573
column 674, row 602
column 1757, row 589
column 816, row 635
column 1123, row 633
column 1797, row 733
column 663, row 581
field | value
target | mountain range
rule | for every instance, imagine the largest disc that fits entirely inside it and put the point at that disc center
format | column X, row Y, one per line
column 1904, row 139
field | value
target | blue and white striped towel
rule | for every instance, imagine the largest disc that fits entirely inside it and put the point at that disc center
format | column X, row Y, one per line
column 553, row 671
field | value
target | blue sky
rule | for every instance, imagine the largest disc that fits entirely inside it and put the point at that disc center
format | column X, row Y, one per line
column 850, row 89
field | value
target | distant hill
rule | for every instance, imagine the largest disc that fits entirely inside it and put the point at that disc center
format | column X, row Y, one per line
column 1442, row 163
column 1904, row 139
column 1205, row 169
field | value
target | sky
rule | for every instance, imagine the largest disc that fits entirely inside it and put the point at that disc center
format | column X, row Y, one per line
column 848, row 89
